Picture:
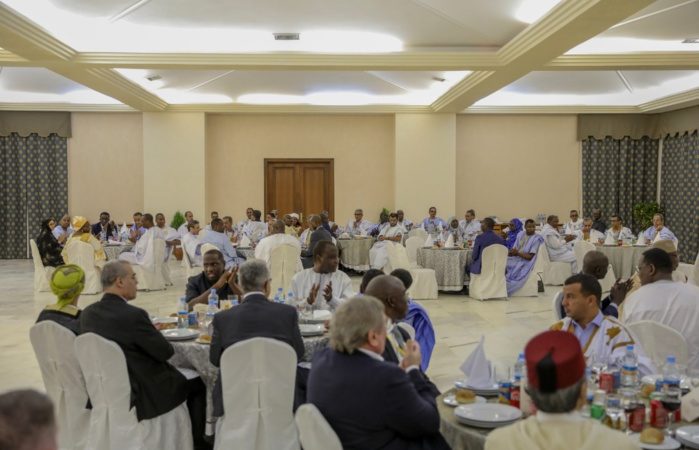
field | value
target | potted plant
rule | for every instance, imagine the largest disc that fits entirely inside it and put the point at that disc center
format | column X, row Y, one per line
column 177, row 221
column 643, row 215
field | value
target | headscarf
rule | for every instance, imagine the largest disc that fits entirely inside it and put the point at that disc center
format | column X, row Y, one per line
column 451, row 219
column 67, row 282
column 512, row 234
column 78, row 222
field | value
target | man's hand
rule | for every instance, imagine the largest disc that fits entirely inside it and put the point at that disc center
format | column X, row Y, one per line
column 618, row 292
column 381, row 238
column 313, row 294
column 569, row 237
column 412, row 356
column 233, row 283
column 328, row 291
column 223, row 280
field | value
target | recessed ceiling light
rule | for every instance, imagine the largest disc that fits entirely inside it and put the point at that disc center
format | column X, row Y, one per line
column 154, row 78
column 691, row 41
column 441, row 80
column 286, row 36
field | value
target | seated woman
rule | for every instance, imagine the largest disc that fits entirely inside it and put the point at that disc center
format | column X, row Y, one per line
column 454, row 230
column 289, row 226
column 82, row 234
column 67, row 282
column 49, row 248
column 378, row 254
column 514, row 229
column 296, row 223
column 522, row 257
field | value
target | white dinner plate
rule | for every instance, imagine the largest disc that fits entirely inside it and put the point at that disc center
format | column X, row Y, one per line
column 164, row 319
column 180, row 334
column 487, row 415
column 668, row 443
column 450, row 400
column 319, row 316
column 688, row 435
column 485, row 391
column 312, row 329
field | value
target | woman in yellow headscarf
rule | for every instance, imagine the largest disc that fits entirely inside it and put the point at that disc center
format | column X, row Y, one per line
column 67, row 282
column 82, row 234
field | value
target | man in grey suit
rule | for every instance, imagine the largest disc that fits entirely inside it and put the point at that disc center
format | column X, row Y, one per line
column 255, row 317
column 318, row 234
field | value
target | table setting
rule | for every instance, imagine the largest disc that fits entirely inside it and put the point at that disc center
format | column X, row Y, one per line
column 112, row 249
column 354, row 251
column 448, row 262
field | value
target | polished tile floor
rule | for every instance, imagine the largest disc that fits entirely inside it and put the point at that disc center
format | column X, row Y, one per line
column 459, row 323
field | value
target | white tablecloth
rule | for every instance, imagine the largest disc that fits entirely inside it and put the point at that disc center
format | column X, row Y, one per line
column 112, row 251
column 354, row 253
column 449, row 266
column 623, row 259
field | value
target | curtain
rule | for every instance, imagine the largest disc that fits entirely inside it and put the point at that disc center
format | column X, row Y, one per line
column 679, row 191
column 618, row 174
column 34, row 187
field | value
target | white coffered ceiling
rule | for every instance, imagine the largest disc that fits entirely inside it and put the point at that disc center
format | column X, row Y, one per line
column 362, row 55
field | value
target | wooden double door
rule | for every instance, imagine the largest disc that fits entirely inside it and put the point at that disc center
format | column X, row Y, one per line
column 305, row 186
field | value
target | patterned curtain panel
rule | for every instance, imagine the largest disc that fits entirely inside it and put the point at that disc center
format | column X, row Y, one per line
column 617, row 174
column 34, row 187
column 679, row 192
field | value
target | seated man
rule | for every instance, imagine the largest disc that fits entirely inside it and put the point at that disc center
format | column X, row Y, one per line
column 248, row 218
column 213, row 276
column 393, row 233
column 191, row 244
column 574, row 224
column 63, row 230
column 470, row 226
column 358, row 226
column 316, row 235
column 369, row 403
column 255, row 317
column 105, row 229
column 483, row 241
column 557, row 246
column 454, row 230
column 659, row 231
column 156, row 386
column 254, row 229
column 166, row 232
column 82, row 234
column 522, row 257
column 665, row 301
column 597, row 222
column 557, row 386
column 433, row 224
column 143, row 253
column 228, row 228
column 137, row 229
column 618, row 232
column 370, row 275
column 602, row 338
column 27, row 421
column 67, row 282
column 330, row 226
column 277, row 237
column 589, row 234
column 214, row 216
column 184, row 228
column 216, row 237
column 403, row 222
column 322, row 286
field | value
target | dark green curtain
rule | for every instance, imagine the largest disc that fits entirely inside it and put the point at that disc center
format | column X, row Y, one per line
column 679, row 191
column 617, row 174
column 33, row 187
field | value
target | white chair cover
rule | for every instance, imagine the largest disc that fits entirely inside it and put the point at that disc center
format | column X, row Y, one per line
column 113, row 423
column 419, row 232
column 42, row 275
column 608, row 280
column 581, row 249
column 258, row 377
column 556, row 305
column 190, row 269
column 407, row 328
column 152, row 280
column 696, row 270
column 659, row 340
column 83, row 255
column 554, row 272
column 283, row 262
column 315, row 433
column 64, row 382
column 531, row 286
column 490, row 283
column 424, row 280
column 411, row 245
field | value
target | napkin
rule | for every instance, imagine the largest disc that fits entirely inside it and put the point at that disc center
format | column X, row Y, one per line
column 641, row 239
column 478, row 369
column 609, row 240
column 450, row 241
column 124, row 232
column 429, row 241
column 245, row 242
column 345, row 235
column 690, row 406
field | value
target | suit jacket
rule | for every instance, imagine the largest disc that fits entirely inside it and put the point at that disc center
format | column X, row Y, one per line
column 97, row 228
column 156, row 386
column 372, row 404
column 255, row 317
column 319, row 234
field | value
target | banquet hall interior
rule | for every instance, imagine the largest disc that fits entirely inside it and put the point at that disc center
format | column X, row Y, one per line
column 561, row 112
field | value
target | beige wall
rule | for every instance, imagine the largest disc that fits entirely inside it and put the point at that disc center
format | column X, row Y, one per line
column 361, row 145
column 174, row 160
column 425, row 174
column 517, row 166
column 105, row 165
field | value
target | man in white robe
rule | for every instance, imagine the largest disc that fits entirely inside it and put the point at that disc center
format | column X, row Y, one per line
column 167, row 233
column 254, row 229
column 557, row 246
column 391, row 234
column 403, row 222
column 658, row 231
column 244, row 222
column 618, row 232
column 276, row 238
column 142, row 253
column 603, row 339
column 665, row 301
column 470, row 226
column 574, row 224
column 191, row 243
column 589, row 234
column 557, row 386
column 188, row 218
column 216, row 237
column 358, row 226
column 322, row 286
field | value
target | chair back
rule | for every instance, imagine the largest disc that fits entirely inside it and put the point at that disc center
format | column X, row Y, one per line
column 258, row 379
column 206, row 247
column 608, row 280
column 64, row 382
column 397, row 256
column 83, row 254
column 283, row 262
column 113, row 423
column 41, row 273
column 553, row 273
column 659, row 340
column 556, row 306
column 491, row 282
column 581, row 249
column 407, row 328
column 36, row 256
column 411, row 245
column 418, row 232
column 186, row 261
column 315, row 433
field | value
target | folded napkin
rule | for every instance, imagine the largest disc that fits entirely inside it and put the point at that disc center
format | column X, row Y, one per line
column 609, row 240
column 245, row 242
column 641, row 239
column 690, row 406
column 478, row 369
column 450, row 241
column 429, row 241
column 345, row 236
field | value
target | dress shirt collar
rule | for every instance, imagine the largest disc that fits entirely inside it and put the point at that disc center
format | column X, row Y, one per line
column 596, row 321
column 248, row 294
column 572, row 416
column 371, row 354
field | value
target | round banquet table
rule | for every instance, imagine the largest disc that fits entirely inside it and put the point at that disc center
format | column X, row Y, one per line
column 449, row 266
column 112, row 252
column 248, row 253
column 458, row 436
column 623, row 259
column 354, row 253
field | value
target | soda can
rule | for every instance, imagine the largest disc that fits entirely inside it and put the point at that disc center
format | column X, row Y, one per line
column 617, row 378
column 637, row 417
column 515, row 395
column 658, row 414
column 606, row 382
column 504, row 388
column 192, row 319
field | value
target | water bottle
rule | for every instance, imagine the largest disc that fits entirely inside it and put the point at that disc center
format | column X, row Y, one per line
column 515, row 390
column 629, row 368
column 290, row 300
column 279, row 296
column 209, row 324
column 182, row 316
column 671, row 374
column 213, row 301
column 519, row 367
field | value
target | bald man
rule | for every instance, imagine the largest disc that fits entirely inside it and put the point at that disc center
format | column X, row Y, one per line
column 276, row 238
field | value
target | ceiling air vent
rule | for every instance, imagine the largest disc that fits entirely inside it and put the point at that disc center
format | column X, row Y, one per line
column 691, row 41
column 286, row 36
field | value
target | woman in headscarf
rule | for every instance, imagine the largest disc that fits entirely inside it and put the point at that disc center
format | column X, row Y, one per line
column 49, row 248
column 514, row 229
column 67, row 282
column 296, row 223
column 82, row 234
column 453, row 229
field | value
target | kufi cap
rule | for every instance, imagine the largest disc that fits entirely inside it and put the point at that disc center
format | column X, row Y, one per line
column 665, row 244
column 78, row 222
column 554, row 361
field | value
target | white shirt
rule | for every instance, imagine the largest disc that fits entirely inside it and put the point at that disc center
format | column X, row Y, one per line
column 673, row 304
column 470, row 229
column 341, row 285
column 191, row 244
column 255, row 231
column 594, row 236
column 556, row 247
column 264, row 248
column 358, row 228
column 182, row 230
column 623, row 234
column 389, row 231
column 58, row 231
column 571, row 227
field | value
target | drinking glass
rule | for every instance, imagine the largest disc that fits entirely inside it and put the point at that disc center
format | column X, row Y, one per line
column 672, row 401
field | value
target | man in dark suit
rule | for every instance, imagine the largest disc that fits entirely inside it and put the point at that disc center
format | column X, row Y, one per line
column 369, row 403
column 156, row 386
column 255, row 317
column 107, row 226
column 318, row 234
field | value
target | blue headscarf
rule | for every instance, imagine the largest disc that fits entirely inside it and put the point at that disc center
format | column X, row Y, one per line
column 512, row 234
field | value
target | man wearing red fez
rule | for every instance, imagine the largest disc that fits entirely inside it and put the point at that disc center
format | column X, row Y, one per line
column 557, row 387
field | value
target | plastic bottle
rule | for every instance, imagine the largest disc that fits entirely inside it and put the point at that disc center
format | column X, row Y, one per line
column 515, row 390
column 671, row 374
column 279, row 296
column 290, row 300
column 182, row 317
column 629, row 368
column 213, row 302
